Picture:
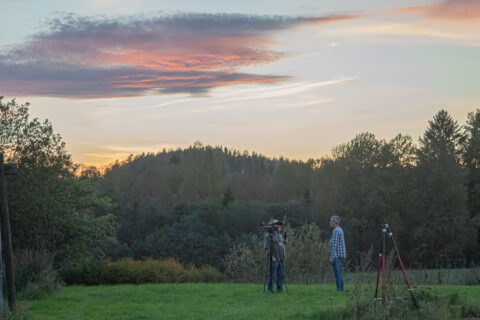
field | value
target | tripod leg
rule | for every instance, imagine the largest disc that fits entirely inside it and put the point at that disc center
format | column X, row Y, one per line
column 267, row 267
column 284, row 275
column 378, row 274
column 384, row 286
column 410, row 289
column 409, row 286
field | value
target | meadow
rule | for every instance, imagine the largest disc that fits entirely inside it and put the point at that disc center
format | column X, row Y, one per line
column 245, row 301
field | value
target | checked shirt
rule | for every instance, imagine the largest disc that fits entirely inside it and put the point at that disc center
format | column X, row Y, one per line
column 337, row 244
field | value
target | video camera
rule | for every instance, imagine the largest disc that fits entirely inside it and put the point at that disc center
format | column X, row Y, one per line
column 270, row 227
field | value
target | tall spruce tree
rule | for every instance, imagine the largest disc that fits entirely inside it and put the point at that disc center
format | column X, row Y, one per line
column 440, row 223
column 471, row 160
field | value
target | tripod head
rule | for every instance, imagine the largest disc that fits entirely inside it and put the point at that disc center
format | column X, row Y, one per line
column 386, row 228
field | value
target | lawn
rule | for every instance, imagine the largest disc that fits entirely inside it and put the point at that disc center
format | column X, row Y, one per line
column 203, row 301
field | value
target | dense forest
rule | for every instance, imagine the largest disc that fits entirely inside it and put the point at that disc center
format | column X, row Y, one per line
column 195, row 204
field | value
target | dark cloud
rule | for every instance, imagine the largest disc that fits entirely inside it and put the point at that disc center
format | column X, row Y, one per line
column 94, row 57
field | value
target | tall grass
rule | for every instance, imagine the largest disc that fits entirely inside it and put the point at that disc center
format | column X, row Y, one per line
column 470, row 276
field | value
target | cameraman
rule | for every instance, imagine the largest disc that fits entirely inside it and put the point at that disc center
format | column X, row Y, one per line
column 277, row 254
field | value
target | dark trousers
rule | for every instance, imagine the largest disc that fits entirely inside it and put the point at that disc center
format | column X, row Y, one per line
column 276, row 274
column 337, row 272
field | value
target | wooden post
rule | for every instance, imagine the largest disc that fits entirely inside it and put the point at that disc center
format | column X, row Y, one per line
column 2, row 307
column 6, row 233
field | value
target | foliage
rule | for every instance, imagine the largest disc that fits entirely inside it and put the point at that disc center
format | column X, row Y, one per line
column 139, row 271
column 471, row 160
column 442, row 197
column 34, row 274
column 52, row 209
column 182, row 203
column 203, row 205
column 307, row 258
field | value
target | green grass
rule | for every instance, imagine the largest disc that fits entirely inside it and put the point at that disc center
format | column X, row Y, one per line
column 205, row 301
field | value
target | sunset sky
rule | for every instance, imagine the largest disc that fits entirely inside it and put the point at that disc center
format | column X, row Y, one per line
column 281, row 78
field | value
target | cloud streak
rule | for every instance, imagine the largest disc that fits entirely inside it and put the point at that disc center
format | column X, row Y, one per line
column 81, row 57
column 455, row 10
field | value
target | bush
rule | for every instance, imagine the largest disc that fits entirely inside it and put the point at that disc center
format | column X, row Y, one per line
column 246, row 263
column 86, row 273
column 307, row 258
column 34, row 273
column 140, row 271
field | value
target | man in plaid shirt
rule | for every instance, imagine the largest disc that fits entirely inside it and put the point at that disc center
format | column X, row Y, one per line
column 337, row 250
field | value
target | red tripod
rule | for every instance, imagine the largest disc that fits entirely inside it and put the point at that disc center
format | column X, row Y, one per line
column 382, row 271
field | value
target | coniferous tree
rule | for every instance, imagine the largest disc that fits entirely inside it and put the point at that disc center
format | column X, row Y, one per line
column 441, row 195
column 472, row 162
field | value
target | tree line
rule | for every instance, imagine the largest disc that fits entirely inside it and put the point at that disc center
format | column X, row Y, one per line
column 196, row 204
column 429, row 192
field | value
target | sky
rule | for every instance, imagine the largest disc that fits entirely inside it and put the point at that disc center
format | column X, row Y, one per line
column 280, row 78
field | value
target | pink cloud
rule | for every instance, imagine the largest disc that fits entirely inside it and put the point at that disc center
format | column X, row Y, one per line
column 457, row 10
column 85, row 57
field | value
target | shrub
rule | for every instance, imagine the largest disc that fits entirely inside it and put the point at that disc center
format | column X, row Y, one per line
column 246, row 263
column 34, row 273
column 307, row 258
column 140, row 271
column 85, row 273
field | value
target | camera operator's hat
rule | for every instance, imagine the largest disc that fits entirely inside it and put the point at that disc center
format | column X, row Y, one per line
column 275, row 222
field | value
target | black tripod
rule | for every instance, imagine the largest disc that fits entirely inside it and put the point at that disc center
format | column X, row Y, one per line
column 382, row 271
column 269, row 265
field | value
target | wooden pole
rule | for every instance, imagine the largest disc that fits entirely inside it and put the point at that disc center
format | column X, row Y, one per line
column 6, row 238
column 2, row 307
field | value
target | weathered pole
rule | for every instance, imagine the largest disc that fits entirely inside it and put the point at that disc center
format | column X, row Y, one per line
column 2, row 307
column 6, row 234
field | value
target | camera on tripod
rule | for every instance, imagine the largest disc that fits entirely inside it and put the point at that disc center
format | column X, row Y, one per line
column 270, row 227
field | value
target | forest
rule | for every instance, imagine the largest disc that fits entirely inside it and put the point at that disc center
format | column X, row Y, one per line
column 197, row 204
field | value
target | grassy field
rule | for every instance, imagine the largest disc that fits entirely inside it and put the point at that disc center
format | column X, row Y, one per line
column 209, row 301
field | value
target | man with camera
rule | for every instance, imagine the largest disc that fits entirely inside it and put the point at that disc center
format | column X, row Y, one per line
column 275, row 247
column 337, row 250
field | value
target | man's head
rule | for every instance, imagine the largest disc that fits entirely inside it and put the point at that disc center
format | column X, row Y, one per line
column 335, row 221
column 275, row 224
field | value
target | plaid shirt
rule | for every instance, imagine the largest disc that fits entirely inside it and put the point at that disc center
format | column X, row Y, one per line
column 337, row 244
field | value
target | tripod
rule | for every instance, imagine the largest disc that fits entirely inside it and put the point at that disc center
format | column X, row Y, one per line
column 382, row 271
column 269, row 264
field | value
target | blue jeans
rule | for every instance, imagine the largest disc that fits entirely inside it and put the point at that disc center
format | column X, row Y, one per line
column 337, row 272
column 277, row 273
